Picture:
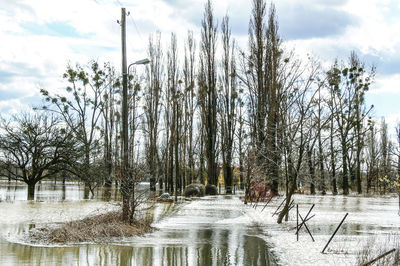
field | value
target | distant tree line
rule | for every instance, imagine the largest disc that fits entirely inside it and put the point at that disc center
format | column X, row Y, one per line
column 211, row 106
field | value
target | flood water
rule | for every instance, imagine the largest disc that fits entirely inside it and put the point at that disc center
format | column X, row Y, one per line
column 200, row 232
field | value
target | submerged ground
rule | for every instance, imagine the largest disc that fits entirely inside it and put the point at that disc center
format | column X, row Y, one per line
column 188, row 233
column 215, row 230
column 372, row 226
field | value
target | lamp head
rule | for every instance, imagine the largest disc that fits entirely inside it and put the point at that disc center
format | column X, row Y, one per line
column 142, row 62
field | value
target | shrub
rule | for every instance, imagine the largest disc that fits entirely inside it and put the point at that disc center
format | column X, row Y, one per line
column 259, row 191
column 194, row 190
column 211, row 190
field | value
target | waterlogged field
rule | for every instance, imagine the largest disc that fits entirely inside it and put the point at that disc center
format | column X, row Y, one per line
column 214, row 230
column 198, row 232
column 372, row 226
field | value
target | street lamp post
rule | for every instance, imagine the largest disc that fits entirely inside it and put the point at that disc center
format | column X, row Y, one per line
column 125, row 137
column 125, row 111
column 125, row 185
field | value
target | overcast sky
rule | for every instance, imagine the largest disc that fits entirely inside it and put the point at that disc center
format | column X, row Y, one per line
column 38, row 38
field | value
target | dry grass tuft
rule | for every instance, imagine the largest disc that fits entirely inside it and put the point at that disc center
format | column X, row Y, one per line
column 99, row 228
column 373, row 248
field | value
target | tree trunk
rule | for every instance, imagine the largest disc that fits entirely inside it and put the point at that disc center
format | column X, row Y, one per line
column 31, row 191
column 125, row 208
column 211, row 167
column 108, row 181
column 312, row 171
column 248, row 180
column 152, row 183
column 153, row 171
column 177, row 172
column 345, row 182
column 241, row 177
column 171, row 154
column 320, row 149
column 359, row 142
column 201, row 170
column 107, row 193
column 291, row 191
column 358, row 171
column 63, row 191
column 86, row 192
column 228, row 179
column 333, row 164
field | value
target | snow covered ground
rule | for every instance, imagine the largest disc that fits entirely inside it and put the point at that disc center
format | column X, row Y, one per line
column 371, row 221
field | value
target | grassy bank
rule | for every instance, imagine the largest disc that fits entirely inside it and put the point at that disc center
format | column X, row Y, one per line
column 99, row 228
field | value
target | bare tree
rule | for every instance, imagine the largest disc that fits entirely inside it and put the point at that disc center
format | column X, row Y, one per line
column 208, row 91
column 152, row 96
column 263, row 79
column 372, row 158
column 190, row 104
column 228, row 101
column 81, row 110
column 348, row 85
column 362, row 81
column 256, row 76
column 108, row 125
column 273, row 61
column 241, row 138
column 34, row 147
column 296, row 112
column 173, row 87
column 333, row 151
column 385, row 162
column 134, row 97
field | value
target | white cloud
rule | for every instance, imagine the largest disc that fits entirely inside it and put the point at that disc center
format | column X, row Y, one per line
column 375, row 35
column 379, row 30
column 386, row 84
